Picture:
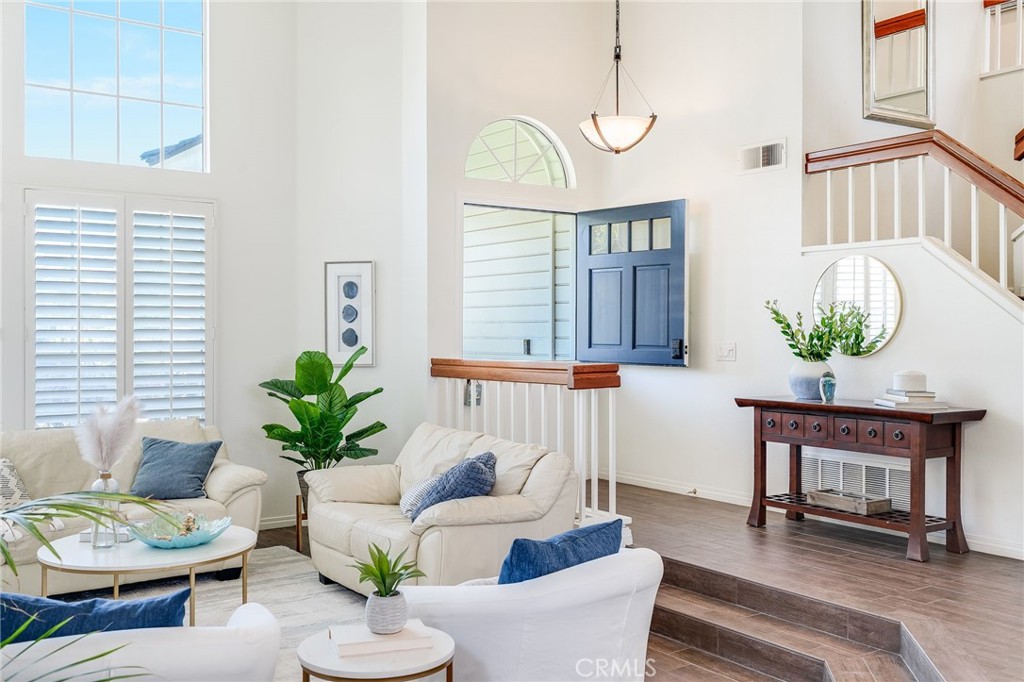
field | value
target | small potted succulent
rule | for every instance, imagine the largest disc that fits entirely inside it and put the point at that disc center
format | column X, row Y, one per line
column 386, row 611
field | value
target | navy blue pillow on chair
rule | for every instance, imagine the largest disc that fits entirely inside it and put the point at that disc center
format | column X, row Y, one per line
column 173, row 471
column 529, row 559
column 91, row 615
column 469, row 478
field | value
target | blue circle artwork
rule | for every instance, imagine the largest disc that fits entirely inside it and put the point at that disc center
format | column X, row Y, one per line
column 349, row 313
column 350, row 289
column 349, row 337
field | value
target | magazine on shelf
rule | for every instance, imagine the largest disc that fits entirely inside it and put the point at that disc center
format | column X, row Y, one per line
column 922, row 406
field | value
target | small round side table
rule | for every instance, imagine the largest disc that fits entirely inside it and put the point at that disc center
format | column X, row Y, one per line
column 319, row 658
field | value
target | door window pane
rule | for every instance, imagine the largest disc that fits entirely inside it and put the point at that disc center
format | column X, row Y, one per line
column 620, row 238
column 95, row 54
column 47, row 47
column 662, row 233
column 598, row 239
column 183, row 68
column 640, row 235
column 95, row 128
column 47, row 123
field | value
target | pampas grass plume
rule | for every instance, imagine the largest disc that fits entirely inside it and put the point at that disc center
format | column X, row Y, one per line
column 104, row 438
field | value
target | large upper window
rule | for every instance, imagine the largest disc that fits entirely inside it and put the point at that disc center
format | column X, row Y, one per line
column 119, row 305
column 116, row 81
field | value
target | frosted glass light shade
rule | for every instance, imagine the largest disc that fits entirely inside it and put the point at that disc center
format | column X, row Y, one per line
column 620, row 133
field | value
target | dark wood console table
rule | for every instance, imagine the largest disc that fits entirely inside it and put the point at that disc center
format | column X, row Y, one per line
column 861, row 426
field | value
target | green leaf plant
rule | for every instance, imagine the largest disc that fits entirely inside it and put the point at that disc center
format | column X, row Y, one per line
column 27, row 516
column 385, row 573
column 323, row 410
column 840, row 327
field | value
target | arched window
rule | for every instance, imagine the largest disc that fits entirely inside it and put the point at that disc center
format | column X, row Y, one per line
column 519, row 150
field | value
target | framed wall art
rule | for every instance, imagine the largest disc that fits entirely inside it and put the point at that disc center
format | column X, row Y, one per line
column 349, row 297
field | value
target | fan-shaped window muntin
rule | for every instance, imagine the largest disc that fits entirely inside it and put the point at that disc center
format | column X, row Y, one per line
column 519, row 151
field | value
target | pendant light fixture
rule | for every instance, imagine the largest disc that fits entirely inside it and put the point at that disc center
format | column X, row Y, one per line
column 617, row 133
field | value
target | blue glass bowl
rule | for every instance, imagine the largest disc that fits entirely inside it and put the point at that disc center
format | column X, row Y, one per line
column 162, row 535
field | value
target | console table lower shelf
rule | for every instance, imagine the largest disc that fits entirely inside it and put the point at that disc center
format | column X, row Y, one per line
column 891, row 520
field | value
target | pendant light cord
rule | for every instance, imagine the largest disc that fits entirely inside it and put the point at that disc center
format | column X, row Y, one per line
column 616, row 64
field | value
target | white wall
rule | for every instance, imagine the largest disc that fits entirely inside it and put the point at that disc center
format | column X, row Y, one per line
column 252, row 123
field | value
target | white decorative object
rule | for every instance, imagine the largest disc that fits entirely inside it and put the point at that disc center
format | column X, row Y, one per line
column 805, row 378
column 910, row 380
column 103, row 439
column 349, row 300
column 386, row 615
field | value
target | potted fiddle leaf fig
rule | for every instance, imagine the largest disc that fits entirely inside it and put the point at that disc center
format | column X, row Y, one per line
column 386, row 611
column 323, row 409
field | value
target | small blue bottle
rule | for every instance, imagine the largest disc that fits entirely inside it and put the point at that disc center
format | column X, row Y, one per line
column 827, row 388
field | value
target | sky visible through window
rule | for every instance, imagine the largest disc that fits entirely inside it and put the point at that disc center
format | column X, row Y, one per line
column 115, row 82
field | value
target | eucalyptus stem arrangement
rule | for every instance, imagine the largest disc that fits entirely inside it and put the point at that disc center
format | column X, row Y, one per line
column 812, row 345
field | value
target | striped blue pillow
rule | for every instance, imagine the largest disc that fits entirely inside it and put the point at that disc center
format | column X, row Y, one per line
column 415, row 494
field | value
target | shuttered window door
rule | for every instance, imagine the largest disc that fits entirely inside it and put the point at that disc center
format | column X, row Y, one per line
column 75, row 304
column 120, row 306
column 168, row 349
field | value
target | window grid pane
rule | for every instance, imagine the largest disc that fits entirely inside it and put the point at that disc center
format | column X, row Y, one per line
column 150, row 55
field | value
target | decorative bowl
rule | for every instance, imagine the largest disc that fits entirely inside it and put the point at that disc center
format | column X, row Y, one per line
column 195, row 530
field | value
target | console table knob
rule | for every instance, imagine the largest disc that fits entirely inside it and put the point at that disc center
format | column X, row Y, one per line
column 897, row 435
column 770, row 423
column 816, row 426
column 792, row 423
column 845, row 430
column 872, row 432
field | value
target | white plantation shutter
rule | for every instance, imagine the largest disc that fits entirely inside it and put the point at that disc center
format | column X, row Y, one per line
column 75, row 302
column 118, row 310
column 169, row 314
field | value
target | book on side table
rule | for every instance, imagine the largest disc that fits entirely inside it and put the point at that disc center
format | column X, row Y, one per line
column 355, row 639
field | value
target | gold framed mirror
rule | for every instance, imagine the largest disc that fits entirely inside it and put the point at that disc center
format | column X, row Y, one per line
column 869, row 284
column 898, row 54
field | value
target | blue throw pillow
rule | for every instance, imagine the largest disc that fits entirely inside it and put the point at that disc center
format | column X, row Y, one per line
column 529, row 559
column 469, row 478
column 91, row 615
column 172, row 471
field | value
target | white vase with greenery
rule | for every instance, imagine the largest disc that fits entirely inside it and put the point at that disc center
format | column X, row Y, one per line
column 812, row 346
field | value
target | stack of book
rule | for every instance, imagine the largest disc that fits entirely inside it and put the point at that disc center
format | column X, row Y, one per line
column 355, row 639
column 910, row 400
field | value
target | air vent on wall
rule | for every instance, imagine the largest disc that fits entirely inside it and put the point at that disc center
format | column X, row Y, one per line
column 763, row 156
column 858, row 477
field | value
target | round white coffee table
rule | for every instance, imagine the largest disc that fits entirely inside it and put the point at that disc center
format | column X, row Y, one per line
column 319, row 658
column 74, row 556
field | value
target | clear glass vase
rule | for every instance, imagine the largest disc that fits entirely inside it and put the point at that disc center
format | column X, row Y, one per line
column 104, row 531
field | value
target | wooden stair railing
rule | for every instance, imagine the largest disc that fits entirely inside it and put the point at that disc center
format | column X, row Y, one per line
column 1018, row 146
column 954, row 157
column 572, row 375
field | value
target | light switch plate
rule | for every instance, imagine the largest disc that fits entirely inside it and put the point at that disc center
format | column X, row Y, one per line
column 726, row 352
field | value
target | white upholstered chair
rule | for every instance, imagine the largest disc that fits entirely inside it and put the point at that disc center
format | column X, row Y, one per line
column 568, row 625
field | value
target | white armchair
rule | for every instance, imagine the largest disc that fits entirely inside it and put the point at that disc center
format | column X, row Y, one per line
column 351, row 507
column 563, row 626
column 244, row 650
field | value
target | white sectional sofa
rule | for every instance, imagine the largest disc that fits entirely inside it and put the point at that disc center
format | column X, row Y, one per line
column 353, row 506
column 48, row 462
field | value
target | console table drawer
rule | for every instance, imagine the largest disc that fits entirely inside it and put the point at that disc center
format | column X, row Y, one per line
column 771, row 422
column 793, row 425
column 869, row 432
column 896, row 436
column 844, row 430
column 815, row 427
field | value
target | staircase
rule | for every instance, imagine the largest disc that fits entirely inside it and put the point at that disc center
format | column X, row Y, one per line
column 925, row 188
column 749, row 631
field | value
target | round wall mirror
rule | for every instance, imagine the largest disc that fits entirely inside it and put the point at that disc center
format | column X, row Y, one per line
column 866, row 288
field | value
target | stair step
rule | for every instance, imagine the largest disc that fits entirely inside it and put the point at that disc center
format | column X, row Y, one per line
column 768, row 644
column 674, row 662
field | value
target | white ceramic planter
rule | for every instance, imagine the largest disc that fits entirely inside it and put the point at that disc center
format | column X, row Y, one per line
column 804, row 379
column 386, row 615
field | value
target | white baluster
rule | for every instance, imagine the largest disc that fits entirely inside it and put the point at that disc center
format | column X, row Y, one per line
column 544, row 415
column 987, row 66
column 527, row 409
column 512, row 411
column 829, row 228
column 920, row 196
column 560, row 418
column 947, row 212
column 460, row 409
column 498, row 410
column 999, row 36
column 578, row 454
column 975, row 232
column 1004, row 240
column 595, row 445
column 851, row 231
column 897, row 208
column 485, row 400
column 472, row 405
column 447, row 404
column 1020, row 32
column 612, row 451
column 873, row 198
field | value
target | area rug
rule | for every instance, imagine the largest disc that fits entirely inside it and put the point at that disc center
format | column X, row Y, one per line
column 282, row 580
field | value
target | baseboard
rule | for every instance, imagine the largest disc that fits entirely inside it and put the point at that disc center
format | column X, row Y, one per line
column 271, row 522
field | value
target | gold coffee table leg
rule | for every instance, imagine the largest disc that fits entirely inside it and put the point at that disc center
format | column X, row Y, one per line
column 42, row 580
column 245, row 578
column 117, row 585
column 192, row 595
